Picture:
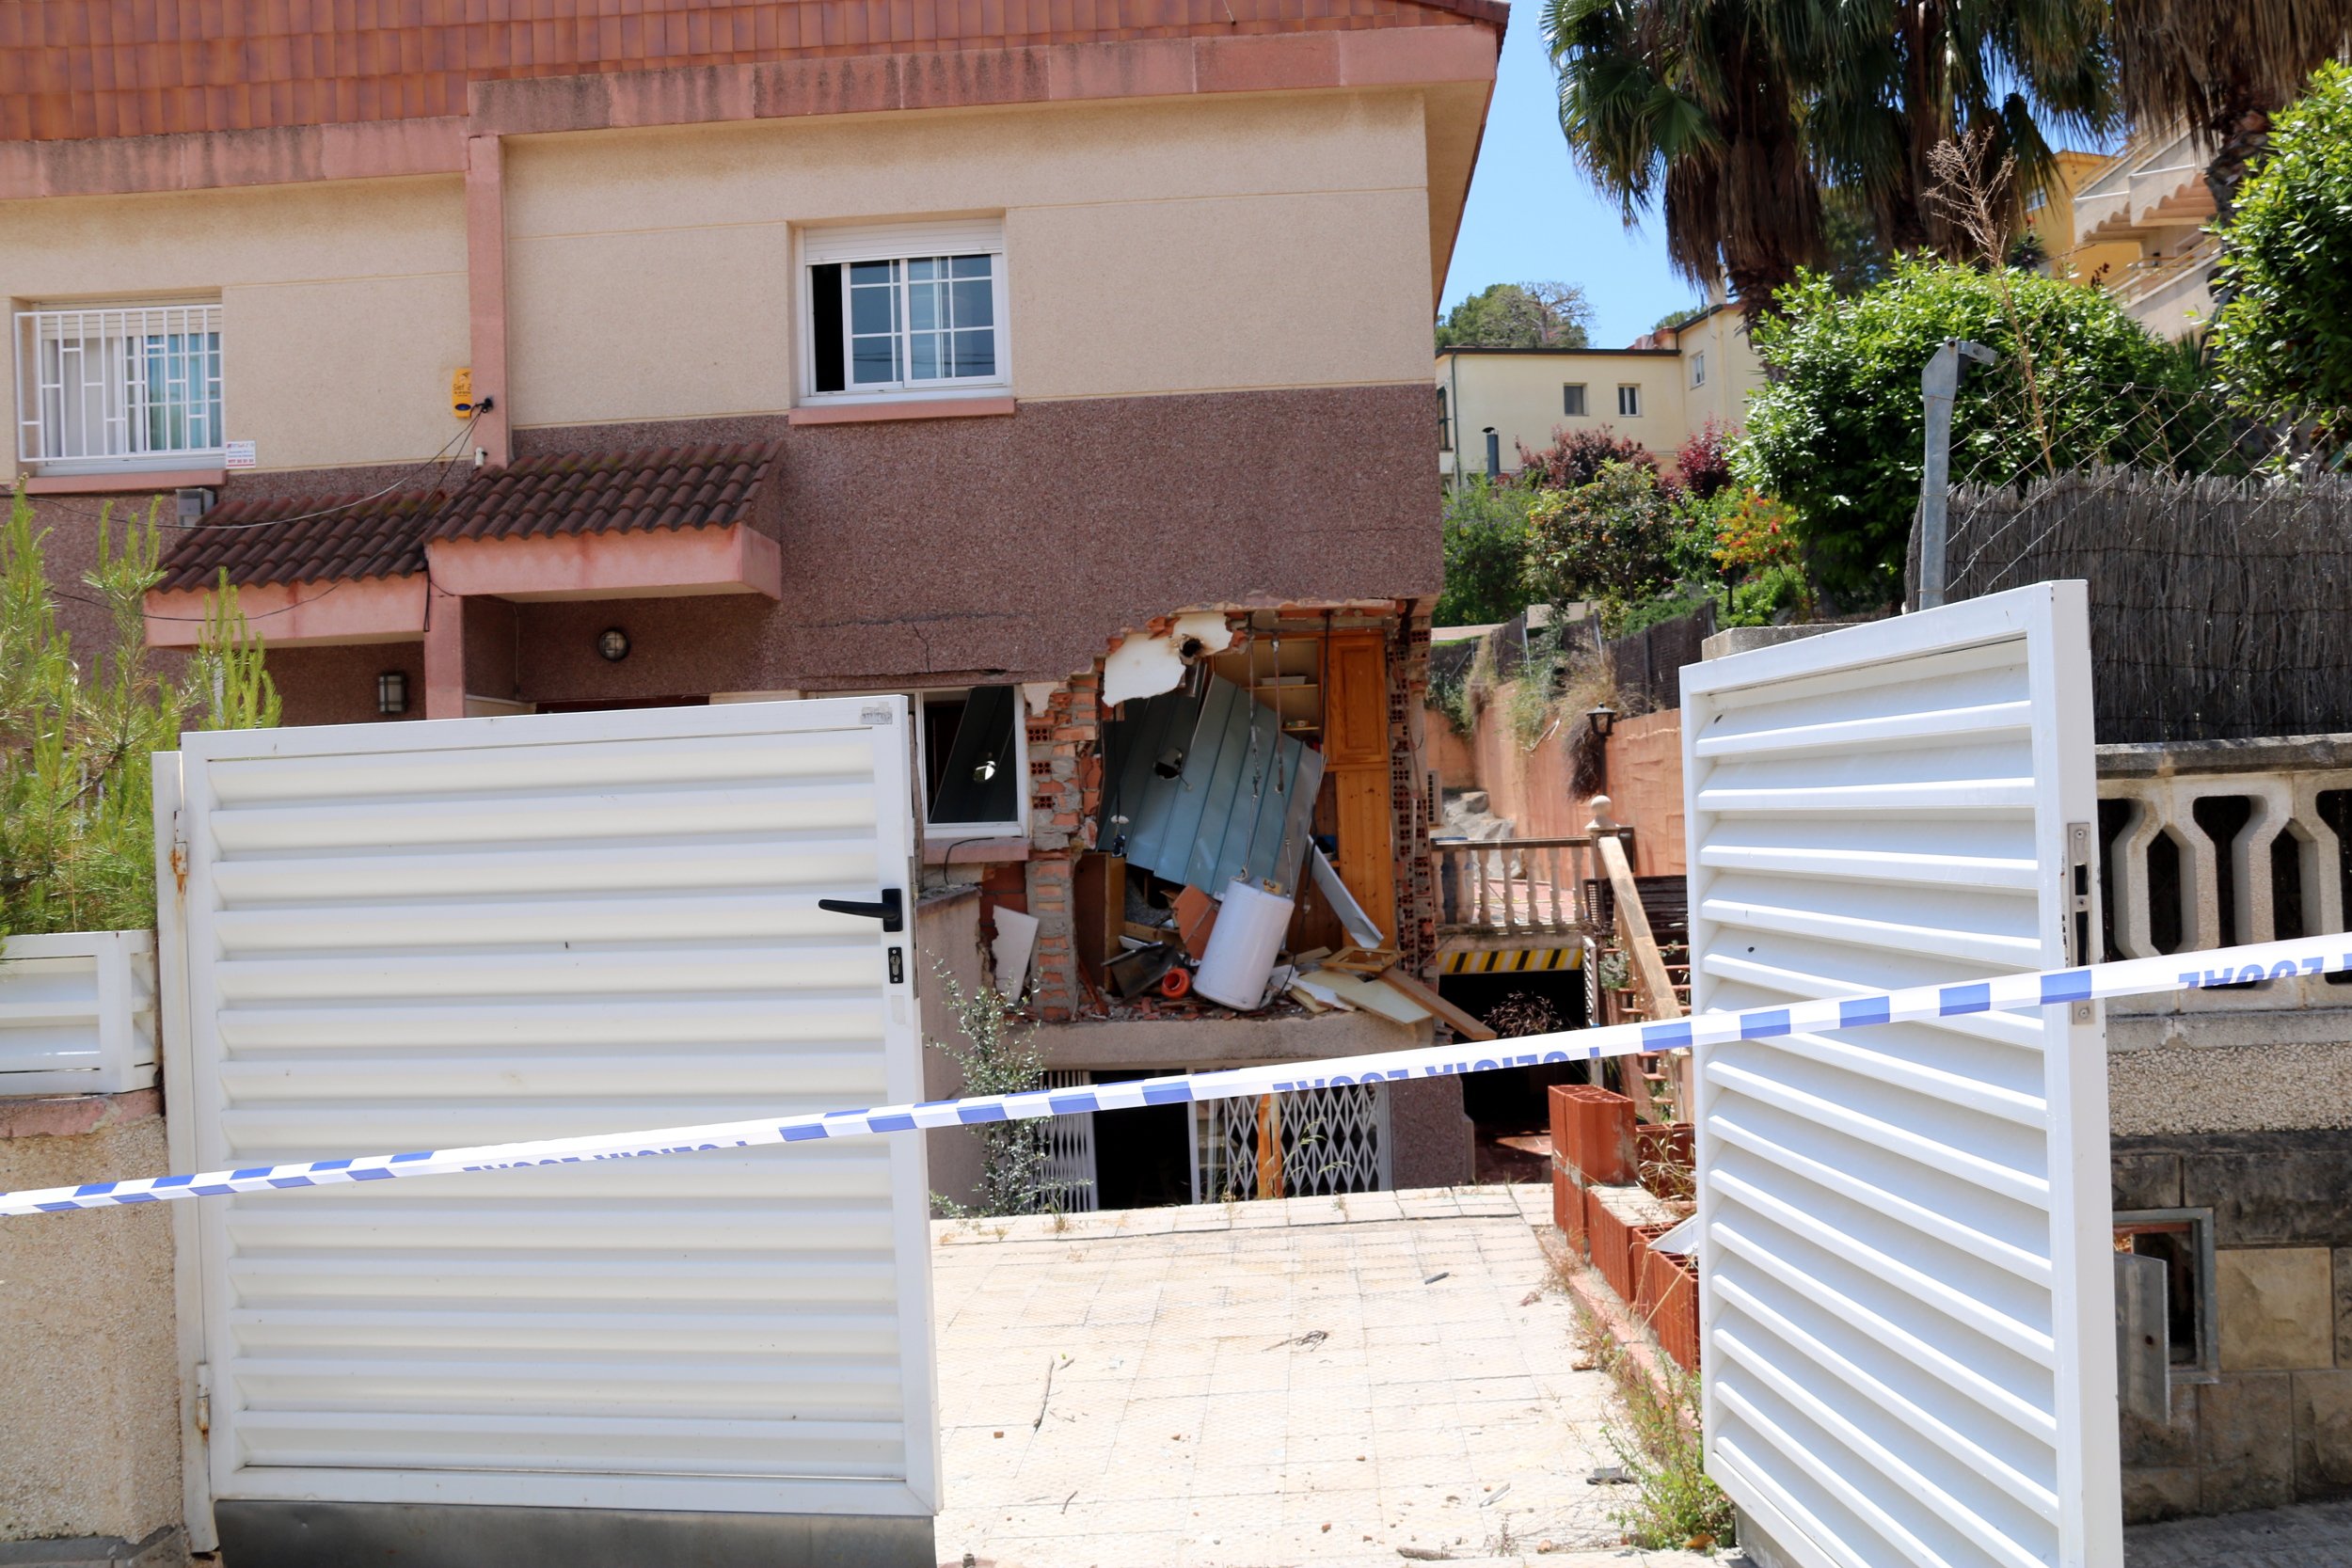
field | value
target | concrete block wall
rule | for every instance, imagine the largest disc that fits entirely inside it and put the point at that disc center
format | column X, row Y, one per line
column 90, row 1378
column 2276, row 1427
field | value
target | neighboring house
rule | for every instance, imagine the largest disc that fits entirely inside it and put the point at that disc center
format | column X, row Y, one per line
column 1661, row 390
column 714, row 353
column 2140, row 230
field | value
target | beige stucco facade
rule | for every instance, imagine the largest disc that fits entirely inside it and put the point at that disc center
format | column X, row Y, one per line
column 342, row 303
column 1705, row 371
column 649, row 272
column 1297, row 225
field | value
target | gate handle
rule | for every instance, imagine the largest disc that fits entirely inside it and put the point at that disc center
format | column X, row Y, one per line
column 890, row 908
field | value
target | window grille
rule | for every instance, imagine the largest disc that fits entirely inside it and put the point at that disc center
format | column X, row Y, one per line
column 119, row 386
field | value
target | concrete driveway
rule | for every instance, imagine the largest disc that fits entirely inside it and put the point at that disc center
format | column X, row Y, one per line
column 1384, row 1380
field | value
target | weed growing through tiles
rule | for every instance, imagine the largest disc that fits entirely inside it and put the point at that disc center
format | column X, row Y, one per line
column 1655, row 1432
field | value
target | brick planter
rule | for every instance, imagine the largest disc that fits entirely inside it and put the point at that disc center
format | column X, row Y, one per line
column 1617, row 1245
column 1667, row 1298
column 1592, row 1129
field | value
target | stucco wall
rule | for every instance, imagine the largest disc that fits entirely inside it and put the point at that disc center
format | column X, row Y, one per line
column 1532, row 787
column 1520, row 394
column 343, row 304
column 90, row 1383
column 651, row 271
column 947, row 935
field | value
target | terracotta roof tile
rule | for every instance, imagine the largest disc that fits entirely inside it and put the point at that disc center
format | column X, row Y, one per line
column 270, row 66
column 674, row 488
column 321, row 538
column 282, row 541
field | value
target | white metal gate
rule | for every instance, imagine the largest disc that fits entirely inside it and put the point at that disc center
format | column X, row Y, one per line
column 408, row 936
column 1331, row 1140
column 1905, row 1284
column 1069, row 1142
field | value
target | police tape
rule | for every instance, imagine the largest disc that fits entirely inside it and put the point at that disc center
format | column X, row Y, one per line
column 2270, row 960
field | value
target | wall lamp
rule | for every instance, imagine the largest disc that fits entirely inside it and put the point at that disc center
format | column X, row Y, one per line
column 1603, row 720
column 392, row 692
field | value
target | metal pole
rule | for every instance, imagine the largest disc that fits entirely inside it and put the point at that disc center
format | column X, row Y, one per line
column 1939, row 384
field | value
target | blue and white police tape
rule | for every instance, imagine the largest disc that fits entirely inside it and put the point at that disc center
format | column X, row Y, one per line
column 2269, row 960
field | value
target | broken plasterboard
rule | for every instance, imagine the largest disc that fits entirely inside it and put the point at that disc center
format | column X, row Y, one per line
column 1146, row 666
column 1334, row 988
column 1016, row 938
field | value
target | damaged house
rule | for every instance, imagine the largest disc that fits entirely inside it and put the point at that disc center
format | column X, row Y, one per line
column 1065, row 373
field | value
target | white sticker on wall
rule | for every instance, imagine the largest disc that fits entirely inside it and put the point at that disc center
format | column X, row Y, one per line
column 238, row 455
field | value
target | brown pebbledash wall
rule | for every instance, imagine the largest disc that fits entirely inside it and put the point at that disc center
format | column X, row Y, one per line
column 1016, row 547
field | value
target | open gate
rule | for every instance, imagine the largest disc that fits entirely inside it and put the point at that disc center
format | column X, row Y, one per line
column 1904, row 1273
column 410, row 936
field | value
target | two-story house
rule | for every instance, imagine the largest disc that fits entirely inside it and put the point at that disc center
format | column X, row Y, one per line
column 586, row 356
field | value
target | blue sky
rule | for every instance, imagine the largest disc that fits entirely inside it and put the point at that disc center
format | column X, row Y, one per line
column 1532, row 215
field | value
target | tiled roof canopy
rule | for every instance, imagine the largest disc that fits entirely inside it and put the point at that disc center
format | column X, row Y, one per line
column 285, row 540
column 117, row 67
column 564, row 493
column 674, row 487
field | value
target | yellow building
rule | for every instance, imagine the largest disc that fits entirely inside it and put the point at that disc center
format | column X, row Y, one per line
column 1660, row 390
column 2137, row 227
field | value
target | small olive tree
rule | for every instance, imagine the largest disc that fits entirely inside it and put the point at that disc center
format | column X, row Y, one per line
column 998, row 1053
column 77, row 727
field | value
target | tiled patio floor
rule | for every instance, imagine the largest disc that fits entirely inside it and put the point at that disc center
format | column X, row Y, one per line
column 1279, row 1383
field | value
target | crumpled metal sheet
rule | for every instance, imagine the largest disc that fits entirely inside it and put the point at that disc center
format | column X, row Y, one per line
column 1242, row 803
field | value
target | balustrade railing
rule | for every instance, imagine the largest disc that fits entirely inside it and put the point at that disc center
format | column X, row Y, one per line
column 2209, row 845
column 1513, row 886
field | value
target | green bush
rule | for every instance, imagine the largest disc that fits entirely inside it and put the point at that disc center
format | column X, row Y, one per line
column 77, row 849
column 1613, row 541
column 1485, row 553
column 2285, row 334
column 1837, row 430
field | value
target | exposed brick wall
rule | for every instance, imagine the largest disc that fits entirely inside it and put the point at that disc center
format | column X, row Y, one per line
column 1066, row 738
column 1409, row 791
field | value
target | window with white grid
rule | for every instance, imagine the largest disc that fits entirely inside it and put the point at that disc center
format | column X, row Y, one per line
column 905, row 309
column 119, row 386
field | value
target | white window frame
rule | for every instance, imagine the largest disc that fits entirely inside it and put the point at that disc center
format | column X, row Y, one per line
column 900, row 242
column 1583, row 389
column 948, row 833
column 1698, row 369
column 117, row 404
column 1634, row 411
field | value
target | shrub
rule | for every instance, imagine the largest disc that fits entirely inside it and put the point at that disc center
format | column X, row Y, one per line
column 1704, row 462
column 77, row 847
column 998, row 1055
column 1577, row 457
column 1836, row 433
column 1485, row 553
column 1611, row 541
column 2285, row 333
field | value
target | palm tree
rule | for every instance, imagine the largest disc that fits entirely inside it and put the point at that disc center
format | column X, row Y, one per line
column 2224, row 66
column 1739, row 114
column 1690, row 102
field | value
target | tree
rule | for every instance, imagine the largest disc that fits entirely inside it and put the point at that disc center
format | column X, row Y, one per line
column 1485, row 553
column 1767, row 128
column 1693, row 105
column 2225, row 68
column 1518, row 315
column 77, row 849
column 2285, row 334
column 1836, row 433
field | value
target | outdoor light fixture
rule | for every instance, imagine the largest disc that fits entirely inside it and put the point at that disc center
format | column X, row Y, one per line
column 613, row 643
column 392, row 692
column 1603, row 720
column 985, row 771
